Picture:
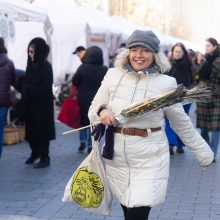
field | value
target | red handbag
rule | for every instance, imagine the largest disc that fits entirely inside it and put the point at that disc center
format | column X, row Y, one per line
column 70, row 112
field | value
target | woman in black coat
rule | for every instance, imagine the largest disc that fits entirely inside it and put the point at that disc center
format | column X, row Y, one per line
column 181, row 70
column 38, row 101
column 87, row 79
column 181, row 65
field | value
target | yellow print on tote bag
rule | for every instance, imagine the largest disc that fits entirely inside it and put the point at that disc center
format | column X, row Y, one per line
column 88, row 185
column 87, row 188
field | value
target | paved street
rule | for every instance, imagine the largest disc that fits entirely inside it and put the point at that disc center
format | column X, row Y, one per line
column 35, row 194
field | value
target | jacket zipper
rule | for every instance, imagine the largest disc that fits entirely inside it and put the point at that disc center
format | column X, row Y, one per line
column 137, row 79
column 129, row 171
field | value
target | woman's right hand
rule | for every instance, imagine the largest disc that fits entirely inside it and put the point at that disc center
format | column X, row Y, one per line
column 107, row 118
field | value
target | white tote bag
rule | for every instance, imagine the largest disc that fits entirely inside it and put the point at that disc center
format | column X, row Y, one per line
column 88, row 186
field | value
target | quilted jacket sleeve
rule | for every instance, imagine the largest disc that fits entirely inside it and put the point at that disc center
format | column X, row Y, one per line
column 101, row 99
column 182, row 125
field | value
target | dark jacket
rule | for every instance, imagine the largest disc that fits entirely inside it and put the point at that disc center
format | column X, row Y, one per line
column 88, row 78
column 38, row 98
column 181, row 70
column 7, row 78
column 208, row 114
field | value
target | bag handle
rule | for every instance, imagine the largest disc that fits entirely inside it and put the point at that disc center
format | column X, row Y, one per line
column 95, row 147
column 18, row 121
column 12, row 124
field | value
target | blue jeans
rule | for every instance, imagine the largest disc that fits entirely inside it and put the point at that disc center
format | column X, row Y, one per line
column 85, row 137
column 213, row 140
column 3, row 117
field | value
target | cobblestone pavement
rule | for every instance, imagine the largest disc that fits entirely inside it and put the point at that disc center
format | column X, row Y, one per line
column 35, row 194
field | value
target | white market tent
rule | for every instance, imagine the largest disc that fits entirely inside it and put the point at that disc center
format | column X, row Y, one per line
column 74, row 26
column 17, row 19
column 22, row 11
column 68, row 33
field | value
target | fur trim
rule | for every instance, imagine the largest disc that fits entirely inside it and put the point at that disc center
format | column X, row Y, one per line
column 122, row 58
column 162, row 62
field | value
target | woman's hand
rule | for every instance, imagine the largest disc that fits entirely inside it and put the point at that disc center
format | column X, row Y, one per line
column 107, row 118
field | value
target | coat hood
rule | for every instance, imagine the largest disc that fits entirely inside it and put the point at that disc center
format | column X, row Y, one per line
column 93, row 55
column 41, row 49
column 3, row 59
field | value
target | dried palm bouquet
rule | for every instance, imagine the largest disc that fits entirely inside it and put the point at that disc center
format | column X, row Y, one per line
column 165, row 99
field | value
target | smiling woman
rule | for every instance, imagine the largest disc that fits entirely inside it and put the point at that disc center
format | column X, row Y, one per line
column 140, row 57
column 138, row 169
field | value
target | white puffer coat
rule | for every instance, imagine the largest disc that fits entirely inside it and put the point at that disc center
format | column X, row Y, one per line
column 139, row 171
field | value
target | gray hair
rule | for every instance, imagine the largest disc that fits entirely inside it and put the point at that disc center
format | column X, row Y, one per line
column 160, row 59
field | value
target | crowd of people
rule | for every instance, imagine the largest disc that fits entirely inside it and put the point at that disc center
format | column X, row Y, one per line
column 138, row 170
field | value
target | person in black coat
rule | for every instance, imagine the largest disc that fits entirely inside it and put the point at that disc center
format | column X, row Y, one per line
column 181, row 70
column 181, row 65
column 87, row 79
column 38, row 100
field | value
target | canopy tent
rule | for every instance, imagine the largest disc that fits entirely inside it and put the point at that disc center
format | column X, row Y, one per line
column 17, row 20
column 22, row 11
column 69, row 32
column 18, row 10
column 74, row 26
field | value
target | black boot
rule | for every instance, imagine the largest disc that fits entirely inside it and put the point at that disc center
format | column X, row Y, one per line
column 82, row 146
column 171, row 150
column 31, row 159
column 44, row 162
column 179, row 150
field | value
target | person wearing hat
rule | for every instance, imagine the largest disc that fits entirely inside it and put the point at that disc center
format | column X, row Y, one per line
column 137, row 168
column 80, row 51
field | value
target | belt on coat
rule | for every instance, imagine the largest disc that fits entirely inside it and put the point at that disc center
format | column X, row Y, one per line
column 136, row 131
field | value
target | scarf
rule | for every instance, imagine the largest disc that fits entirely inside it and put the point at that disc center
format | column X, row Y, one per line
column 152, row 69
column 181, row 71
column 207, row 67
column 108, row 148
